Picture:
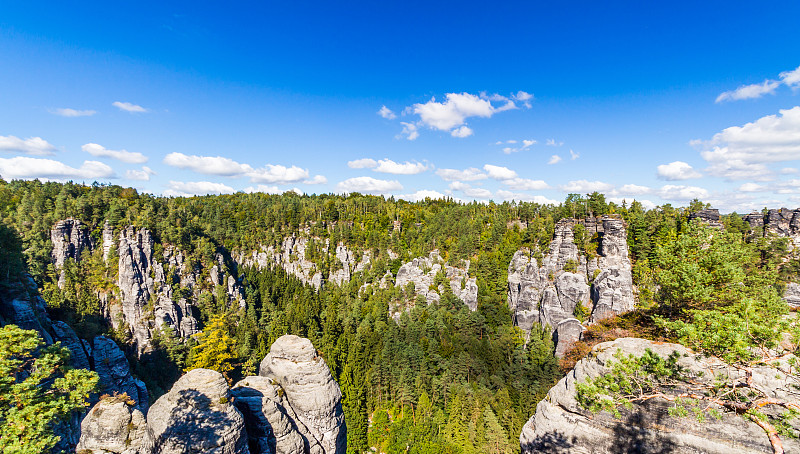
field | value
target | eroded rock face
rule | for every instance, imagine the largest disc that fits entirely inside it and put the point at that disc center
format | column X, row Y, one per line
column 548, row 291
column 783, row 223
column 70, row 238
column 64, row 333
column 310, row 391
column 196, row 416
column 135, row 281
column 422, row 271
column 112, row 426
column 708, row 216
column 114, row 371
column 792, row 294
column 560, row 425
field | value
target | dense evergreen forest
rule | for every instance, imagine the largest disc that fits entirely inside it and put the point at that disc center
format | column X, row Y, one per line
column 438, row 378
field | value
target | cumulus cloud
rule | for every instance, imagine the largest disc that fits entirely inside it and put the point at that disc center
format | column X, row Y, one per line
column 470, row 174
column 270, row 189
column 789, row 170
column 749, row 91
column 368, row 185
column 67, row 112
column 129, row 107
column 23, row 167
column 741, row 152
column 682, row 193
column 141, row 175
column 788, row 78
column 410, row 131
column 422, row 194
column 633, row 189
column 499, row 173
column 555, row 159
column 461, row 132
column 122, row 155
column 647, row 204
column 387, row 113
column 677, row 170
column 33, row 145
column 469, row 191
column 752, row 187
column 584, row 186
column 502, row 194
column 524, row 97
column 396, row 168
column 193, row 188
column 526, row 143
column 524, row 184
column 222, row 166
column 209, row 165
column 318, row 179
column 365, row 163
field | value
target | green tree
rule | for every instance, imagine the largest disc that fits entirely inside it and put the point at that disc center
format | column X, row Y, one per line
column 37, row 390
column 215, row 347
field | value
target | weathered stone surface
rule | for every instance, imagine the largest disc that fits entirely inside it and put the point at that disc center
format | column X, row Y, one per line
column 70, row 238
column 63, row 333
column 792, row 294
column 422, row 271
column 567, row 332
column 272, row 426
column 115, row 374
column 112, row 426
column 708, row 216
column 560, row 425
column 135, row 282
column 310, row 390
column 196, row 416
column 108, row 239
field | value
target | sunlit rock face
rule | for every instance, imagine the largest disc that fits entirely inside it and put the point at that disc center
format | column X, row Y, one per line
column 546, row 288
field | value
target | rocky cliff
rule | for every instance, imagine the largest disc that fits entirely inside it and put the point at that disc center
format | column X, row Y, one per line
column 421, row 272
column 782, row 223
column 548, row 290
column 70, row 238
column 293, row 407
column 560, row 425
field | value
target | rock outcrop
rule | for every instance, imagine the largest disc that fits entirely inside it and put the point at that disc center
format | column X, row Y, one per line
column 422, row 272
column 783, row 223
column 560, row 425
column 310, row 391
column 115, row 375
column 70, row 238
column 196, row 415
column 709, row 216
column 21, row 305
column 549, row 290
column 112, row 426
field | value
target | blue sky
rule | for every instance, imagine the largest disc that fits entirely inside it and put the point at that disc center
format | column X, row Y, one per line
column 516, row 100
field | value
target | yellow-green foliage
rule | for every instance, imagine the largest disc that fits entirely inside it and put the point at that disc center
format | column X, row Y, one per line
column 215, row 348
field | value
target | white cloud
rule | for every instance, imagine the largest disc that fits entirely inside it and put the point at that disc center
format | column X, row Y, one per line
column 553, row 143
column 633, row 189
column 365, row 163
column 521, row 197
column 422, row 194
column 67, row 112
column 469, row 191
column 33, row 145
column 524, row 184
column 524, row 97
column 28, row 168
column 788, row 187
column 263, row 188
column 396, row 168
column 740, row 152
column 122, row 155
column 278, row 174
column 791, row 78
column 789, row 170
column 584, row 186
column 192, row 188
column 129, row 107
column 677, row 170
column 682, row 193
column 318, row 179
column 409, row 130
column 749, row 91
column 219, row 165
column 461, row 132
column 470, row 174
column 387, row 113
column 752, row 187
column 573, row 156
column 526, row 143
column 369, row 185
column 141, row 175
column 555, row 159
column 499, row 173
column 209, row 165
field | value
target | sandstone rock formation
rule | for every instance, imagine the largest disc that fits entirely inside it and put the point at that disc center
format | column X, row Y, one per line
column 783, row 223
column 548, row 290
column 310, row 391
column 112, row 426
column 196, row 415
column 64, row 333
column 20, row 305
column 422, row 271
column 108, row 240
column 560, row 425
column 70, row 237
column 115, row 375
column 708, row 216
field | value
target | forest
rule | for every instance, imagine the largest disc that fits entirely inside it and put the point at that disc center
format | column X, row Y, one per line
column 438, row 377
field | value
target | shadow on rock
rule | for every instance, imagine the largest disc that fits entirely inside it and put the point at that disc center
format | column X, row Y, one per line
column 631, row 435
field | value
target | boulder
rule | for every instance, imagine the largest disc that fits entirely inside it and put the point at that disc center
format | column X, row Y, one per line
column 561, row 425
column 310, row 390
column 196, row 416
column 112, row 426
